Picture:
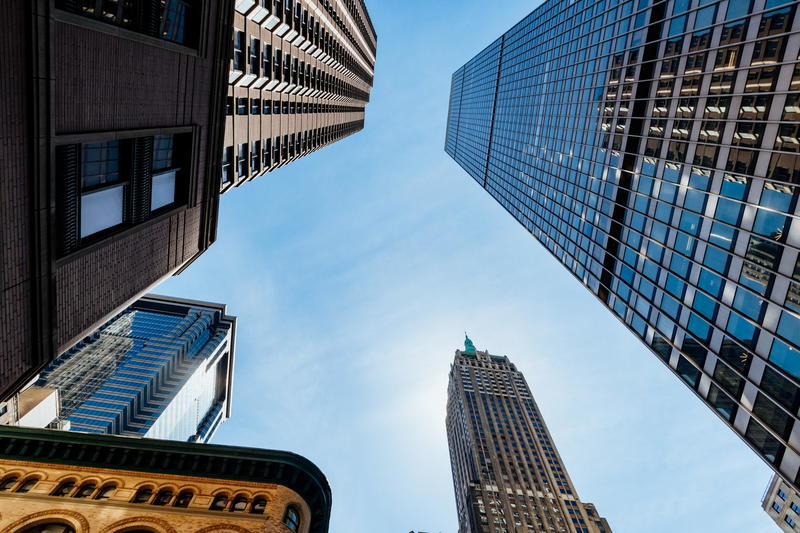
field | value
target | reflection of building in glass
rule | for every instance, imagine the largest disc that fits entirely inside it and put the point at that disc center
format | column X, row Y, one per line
column 653, row 150
column 507, row 472
column 162, row 369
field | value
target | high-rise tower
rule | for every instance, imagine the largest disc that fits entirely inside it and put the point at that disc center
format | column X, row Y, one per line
column 653, row 149
column 507, row 473
column 163, row 368
column 300, row 78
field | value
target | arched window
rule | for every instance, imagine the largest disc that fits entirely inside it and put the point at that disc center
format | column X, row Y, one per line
column 142, row 495
column 163, row 497
column 292, row 518
column 8, row 482
column 49, row 528
column 239, row 504
column 106, row 492
column 64, row 488
column 184, row 499
column 27, row 485
column 219, row 503
column 259, row 504
column 86, row 490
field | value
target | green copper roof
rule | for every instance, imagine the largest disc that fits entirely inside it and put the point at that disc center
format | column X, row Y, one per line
column 468, row 346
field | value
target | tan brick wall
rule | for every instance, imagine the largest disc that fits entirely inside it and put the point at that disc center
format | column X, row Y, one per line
column 19, row 511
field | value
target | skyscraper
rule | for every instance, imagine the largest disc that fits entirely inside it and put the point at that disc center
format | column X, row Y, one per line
column 300, row 78
column 163, row 368
column 114, row 117
column 652, row 148
column 507, row 473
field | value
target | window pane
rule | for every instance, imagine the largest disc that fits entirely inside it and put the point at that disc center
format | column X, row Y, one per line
column 764, row 442
column 101, row 210
column 163, row 190
column 724, row 405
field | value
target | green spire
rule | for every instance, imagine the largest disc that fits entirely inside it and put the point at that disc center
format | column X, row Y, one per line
column 468, row 346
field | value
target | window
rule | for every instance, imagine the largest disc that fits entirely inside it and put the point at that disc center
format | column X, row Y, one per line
column 776, row 507
column 142, row 495
column 171, row 20
column 50, row 527
column 64, row 488
column 8, row 482
column 86, row 490
column 722, row 403
column 163, row 497
column 106, row 492
column 238, row 50
column 227, row 160
column 183, row 499
column 764, row 442
column 101, row 188
column 781, row 495
column 27, row 485
column 219, row 503
column 292, row 518
column 239, row 504
column 241, row 106
column 255, row 60
column 259, row 505
column 789, row 520
column 255, row 106
column 241, row 160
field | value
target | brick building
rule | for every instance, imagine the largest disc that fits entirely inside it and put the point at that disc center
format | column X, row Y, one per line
column 110, row 149
column 63, row 482
column 300, row 77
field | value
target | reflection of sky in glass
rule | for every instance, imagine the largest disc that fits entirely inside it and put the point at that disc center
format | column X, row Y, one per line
column 141, row 374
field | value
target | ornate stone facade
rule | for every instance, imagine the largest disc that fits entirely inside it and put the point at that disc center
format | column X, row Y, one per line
column 86, row 513
column 62, row 482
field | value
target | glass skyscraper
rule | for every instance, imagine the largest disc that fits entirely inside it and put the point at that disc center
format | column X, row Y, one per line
column 507, row 473
column 652, row 147
column 163, row 368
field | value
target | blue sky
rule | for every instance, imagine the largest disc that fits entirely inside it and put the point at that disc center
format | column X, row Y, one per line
column 354, row 273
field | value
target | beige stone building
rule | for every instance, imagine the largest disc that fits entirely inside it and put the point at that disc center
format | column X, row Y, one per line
column 300, row 77
column 62, row 482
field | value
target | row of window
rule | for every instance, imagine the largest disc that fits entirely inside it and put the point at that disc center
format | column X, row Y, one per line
column 269, row 153
column 147, row 495
column 172, row 20
column 108, row 185
column 283, row 68
column 284, row 107
column 300, row 22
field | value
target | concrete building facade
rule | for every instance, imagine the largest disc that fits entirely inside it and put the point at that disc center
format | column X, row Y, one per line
column 300, row 77
column 782, row 503
column 63, row 482
column 653, row 149
column 507, row 473
column 110, row 154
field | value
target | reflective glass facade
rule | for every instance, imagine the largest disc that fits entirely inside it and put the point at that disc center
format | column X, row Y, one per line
column 507, row 472
column 652, row 148
column 160, row 369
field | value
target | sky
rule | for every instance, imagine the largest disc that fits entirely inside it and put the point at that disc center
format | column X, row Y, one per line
column 354, row 273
